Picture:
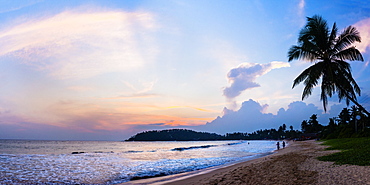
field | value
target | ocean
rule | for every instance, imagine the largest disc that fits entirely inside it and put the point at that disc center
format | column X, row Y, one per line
column 112, row 162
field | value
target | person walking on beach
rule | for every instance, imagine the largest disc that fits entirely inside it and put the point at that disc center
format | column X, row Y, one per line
column 283, row 144
column 278, row 145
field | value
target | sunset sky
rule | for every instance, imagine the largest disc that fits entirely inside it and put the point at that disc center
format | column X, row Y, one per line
column 105, row 70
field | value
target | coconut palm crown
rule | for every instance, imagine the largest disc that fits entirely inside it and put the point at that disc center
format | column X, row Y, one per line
column 328, row 52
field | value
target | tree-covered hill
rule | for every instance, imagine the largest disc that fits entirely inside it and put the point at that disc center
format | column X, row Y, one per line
column 174, row 135
column 190, row 135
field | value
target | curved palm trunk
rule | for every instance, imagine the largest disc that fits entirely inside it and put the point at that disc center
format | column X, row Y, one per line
column 357, row 104
column 360, row 106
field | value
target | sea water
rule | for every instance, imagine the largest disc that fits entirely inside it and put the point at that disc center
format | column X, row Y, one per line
column 111, row 162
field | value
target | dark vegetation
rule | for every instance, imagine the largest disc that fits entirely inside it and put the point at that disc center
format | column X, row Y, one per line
column 349, row 132
column 174, row 135
column 351, row 122
column 329, row 52
column 189, row 135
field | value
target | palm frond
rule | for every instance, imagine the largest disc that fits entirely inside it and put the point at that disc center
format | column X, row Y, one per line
column 294, row 53
column 345, row 73
column 333, row 35
column 310, row 77
column 300, row 78
column 349, row 36
column 318, row 30
column 332, row 39
column 350, row 53
column 346, row 86
column 308, row 52
column 328, row 85
column 343, row 65
column 307, row 91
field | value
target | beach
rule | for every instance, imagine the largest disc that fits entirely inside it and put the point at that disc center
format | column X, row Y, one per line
column 295, row 164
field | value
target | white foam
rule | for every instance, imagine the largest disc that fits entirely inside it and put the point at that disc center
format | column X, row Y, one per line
column 120, row 166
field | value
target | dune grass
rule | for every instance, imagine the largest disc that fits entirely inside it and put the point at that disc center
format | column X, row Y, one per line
column 355, row 151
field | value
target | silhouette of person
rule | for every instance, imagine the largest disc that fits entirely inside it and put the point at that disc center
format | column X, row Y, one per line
column 283, row 144
column 278, row 145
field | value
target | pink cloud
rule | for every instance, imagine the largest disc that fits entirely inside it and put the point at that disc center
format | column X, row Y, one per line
column 363, row 27
column 76, row 44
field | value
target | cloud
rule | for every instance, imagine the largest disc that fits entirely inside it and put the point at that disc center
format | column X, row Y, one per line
column 250, row 117
column 75, row 44
column 243, row 77
column 94, row 117
column 97, row 123
column 67, row 120
column 80, row 88
column 363, row 27
column 146, row 86
column 134, row 96
column 301, row 6
column 9, row 6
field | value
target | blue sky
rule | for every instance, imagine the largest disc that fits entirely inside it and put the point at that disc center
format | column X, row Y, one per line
column 104, row 70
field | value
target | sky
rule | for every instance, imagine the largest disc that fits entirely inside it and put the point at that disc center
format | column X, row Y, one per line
column 106, row 70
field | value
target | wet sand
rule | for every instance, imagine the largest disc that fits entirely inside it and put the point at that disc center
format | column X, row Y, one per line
column 296, row 164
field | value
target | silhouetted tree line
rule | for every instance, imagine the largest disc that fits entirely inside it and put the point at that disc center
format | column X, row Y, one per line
column 174, row 135
column 190, row 135
column 351, row 122
column 281, row 133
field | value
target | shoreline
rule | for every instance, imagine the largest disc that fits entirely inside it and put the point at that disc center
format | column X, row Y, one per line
column 170, row 179
column 295, row 164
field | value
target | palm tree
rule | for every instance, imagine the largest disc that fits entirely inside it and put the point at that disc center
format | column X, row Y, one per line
column 344, row 116
column 328, row 52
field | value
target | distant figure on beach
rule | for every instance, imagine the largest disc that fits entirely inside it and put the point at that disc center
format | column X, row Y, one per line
column 278, row 145
column 283, row 144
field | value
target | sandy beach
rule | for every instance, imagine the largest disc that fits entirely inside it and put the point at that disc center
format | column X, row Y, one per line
column 295, row 164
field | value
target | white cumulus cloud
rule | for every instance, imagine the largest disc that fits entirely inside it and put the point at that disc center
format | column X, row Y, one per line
column 363, row 27
column 250, row 117
column 243, row 77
